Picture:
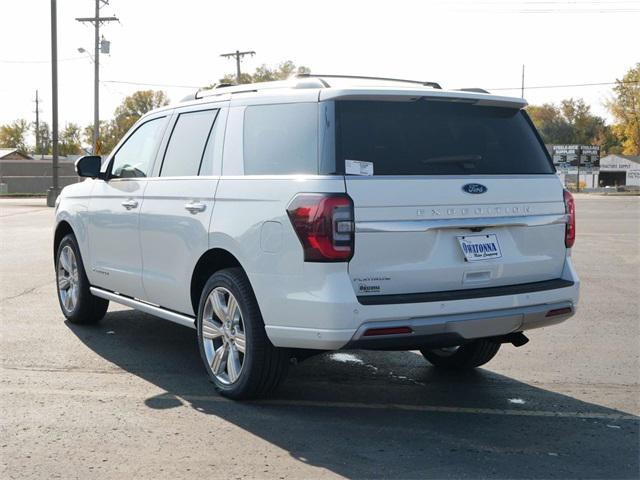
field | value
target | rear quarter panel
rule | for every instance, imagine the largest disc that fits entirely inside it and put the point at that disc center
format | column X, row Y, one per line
column 250, row 221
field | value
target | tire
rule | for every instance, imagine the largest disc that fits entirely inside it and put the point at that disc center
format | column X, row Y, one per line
column 239, row 358
column 77, row 303
column 467, row 356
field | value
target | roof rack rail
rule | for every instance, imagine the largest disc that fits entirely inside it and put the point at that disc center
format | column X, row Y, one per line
column 474, row 90
column 199, row 95
column 361, row 77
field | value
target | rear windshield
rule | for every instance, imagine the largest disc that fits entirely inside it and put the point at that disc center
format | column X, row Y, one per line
column 426, row 137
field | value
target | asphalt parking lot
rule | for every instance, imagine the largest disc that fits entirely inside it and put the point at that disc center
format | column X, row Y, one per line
column 129, row 398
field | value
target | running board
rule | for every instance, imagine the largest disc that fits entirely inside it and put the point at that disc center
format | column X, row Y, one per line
column 145, row 307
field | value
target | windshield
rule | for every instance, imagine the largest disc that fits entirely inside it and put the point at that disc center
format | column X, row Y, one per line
column 427, row 137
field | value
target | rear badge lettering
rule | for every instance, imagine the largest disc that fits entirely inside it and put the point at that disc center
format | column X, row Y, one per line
column 478, row 211
column 369, row 288
column 364, row 285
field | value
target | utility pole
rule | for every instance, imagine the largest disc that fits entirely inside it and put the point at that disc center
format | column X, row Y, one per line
column 38, row 147
column 97, row 20
column 522, row 89
column 238, row 55
column 54, row 191
column 579, row 150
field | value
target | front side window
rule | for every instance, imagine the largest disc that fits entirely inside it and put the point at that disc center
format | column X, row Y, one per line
column 135, row 157
column 281, row 139
column 428, row 137
column 187, row 144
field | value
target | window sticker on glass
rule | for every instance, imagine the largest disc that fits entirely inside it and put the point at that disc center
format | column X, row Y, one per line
column 356, row 167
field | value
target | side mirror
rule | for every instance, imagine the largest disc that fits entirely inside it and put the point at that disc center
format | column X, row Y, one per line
column 89, row 166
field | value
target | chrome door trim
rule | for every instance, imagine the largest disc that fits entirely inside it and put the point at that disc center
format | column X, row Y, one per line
column 158, row 311
column 459, row 223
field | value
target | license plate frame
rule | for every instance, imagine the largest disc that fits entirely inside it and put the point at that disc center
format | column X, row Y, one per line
column 481, row 247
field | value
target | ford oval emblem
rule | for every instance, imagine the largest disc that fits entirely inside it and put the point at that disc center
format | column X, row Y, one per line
column 474, row 188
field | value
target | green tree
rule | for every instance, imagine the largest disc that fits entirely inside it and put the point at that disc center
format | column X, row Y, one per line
column 549, row 121
column 125, row 115
column 571, row 122
column 264, row 73
column 13, row 135
column 136, row 105
column 625, row 108
column 585, row 126
column 108, row 136
column 45, row 140
column 70, row 139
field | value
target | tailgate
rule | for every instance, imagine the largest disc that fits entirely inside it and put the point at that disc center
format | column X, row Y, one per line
column 409, row 232
column 448, row 195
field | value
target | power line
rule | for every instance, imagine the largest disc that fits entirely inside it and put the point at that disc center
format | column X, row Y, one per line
column 168, row 85
column 150, row 84
column 508, row 10
column 41, row 61
column 568, row 85
column 539, row 7
column 539, row 2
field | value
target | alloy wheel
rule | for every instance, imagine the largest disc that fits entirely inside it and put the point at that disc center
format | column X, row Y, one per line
column 68, row 279
column 223, row 335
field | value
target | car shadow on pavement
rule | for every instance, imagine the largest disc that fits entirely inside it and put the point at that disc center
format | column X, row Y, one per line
column 386, row 414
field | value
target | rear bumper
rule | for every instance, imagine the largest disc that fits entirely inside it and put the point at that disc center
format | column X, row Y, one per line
column 321, row 311
column 456, row 329
column 466, row 294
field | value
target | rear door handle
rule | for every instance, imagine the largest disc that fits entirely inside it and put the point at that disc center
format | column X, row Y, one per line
column 195, row 207
column 129, row 204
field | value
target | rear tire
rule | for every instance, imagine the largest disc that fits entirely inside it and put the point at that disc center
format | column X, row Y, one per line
column 467, row 356
column 77, row 303
column 239, row 358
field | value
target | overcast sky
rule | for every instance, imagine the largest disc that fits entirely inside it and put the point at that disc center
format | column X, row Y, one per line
column 459, row 43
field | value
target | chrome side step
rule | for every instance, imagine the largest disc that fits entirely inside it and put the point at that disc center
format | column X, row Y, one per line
column 179, row 318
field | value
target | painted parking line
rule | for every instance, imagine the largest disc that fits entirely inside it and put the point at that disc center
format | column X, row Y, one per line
column 443, row 409
column 329, row 404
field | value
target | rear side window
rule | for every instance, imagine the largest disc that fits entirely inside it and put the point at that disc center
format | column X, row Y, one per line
column 187, row 143
column 437, row 138
column 281, row 139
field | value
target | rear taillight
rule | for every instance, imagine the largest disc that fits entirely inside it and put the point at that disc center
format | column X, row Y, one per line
column 324, row 224
column 570, row 210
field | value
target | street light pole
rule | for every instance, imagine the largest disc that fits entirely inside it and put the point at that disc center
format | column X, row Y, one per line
column 54, row 191
column 96, row 20
column 96, row 82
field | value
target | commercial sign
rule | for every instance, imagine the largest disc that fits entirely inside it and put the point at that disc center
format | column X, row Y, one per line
column 567, row 158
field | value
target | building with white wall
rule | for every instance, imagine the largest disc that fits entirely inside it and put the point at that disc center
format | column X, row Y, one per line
column 616, row 170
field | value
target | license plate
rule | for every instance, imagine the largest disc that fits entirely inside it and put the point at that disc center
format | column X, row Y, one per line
column 480, row 247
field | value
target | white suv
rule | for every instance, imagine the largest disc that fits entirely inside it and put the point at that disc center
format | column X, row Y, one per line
column 324, row 213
